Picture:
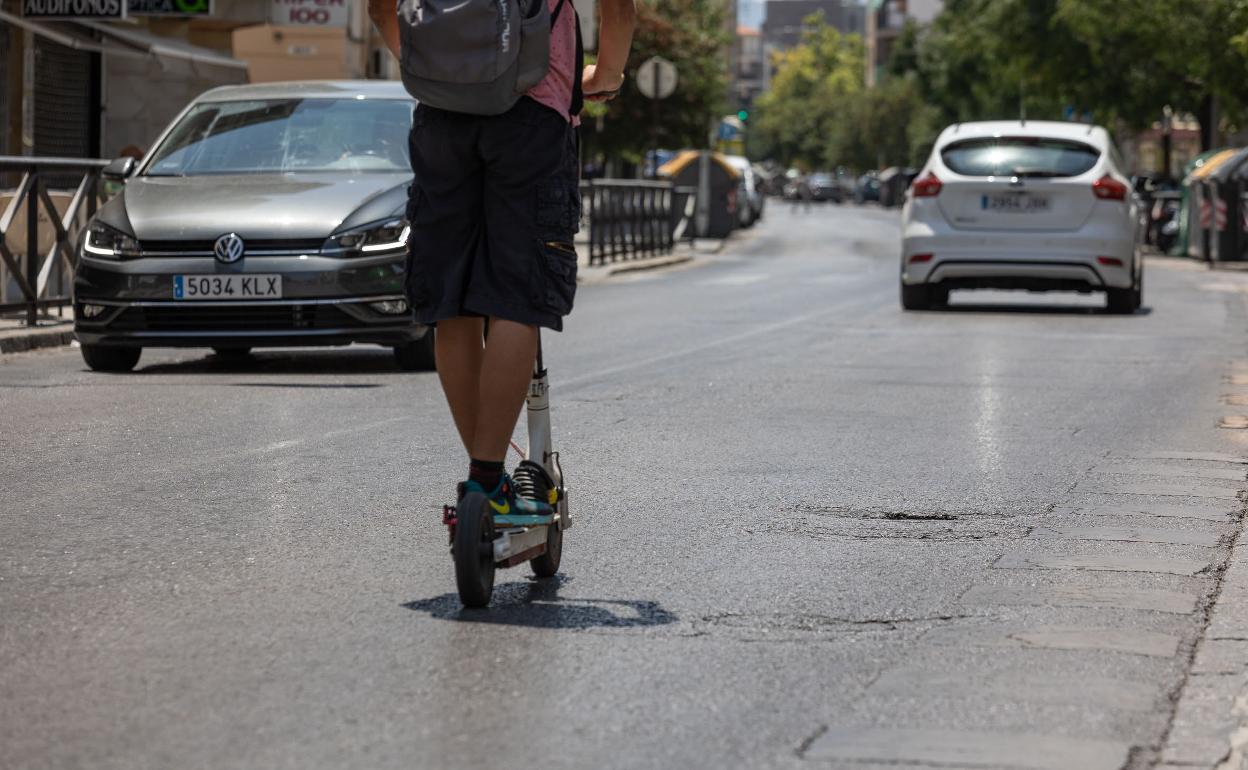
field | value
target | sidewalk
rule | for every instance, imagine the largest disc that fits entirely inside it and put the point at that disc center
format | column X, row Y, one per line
column 683, row 251
column 52, row 331
column 1210, row 728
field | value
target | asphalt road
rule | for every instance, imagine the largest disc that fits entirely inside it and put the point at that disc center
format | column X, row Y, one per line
column 812, row 531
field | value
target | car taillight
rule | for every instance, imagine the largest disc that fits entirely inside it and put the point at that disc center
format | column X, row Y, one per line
column 927, row 186
column 1109, row 189
column 1110, row 261
column 920, row 258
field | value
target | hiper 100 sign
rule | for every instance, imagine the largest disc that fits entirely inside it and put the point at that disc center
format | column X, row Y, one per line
column 308, row 13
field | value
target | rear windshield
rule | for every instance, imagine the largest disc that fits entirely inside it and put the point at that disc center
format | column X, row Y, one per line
column 287, row 136
column 1020, row 156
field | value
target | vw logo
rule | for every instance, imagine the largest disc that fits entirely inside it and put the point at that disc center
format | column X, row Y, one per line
column 228, row 248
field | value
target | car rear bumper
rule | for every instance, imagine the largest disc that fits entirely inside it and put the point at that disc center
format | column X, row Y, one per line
column 1034, row 261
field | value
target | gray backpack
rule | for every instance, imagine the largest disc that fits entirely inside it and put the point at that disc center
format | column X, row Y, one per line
column 474, row 56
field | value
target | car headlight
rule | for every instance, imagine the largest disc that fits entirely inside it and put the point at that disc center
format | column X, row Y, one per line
column 105, row 241
column 377, row 237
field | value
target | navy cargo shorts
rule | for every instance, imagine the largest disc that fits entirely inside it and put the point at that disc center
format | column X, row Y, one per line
column 494, row 207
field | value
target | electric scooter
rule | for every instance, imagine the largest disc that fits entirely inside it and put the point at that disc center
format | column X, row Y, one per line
column 483, row 541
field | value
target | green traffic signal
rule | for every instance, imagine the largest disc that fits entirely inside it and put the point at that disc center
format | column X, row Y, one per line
column 743, row 115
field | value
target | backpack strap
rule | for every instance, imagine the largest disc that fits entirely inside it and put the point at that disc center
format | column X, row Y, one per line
column 554, row 16
column 578, row 95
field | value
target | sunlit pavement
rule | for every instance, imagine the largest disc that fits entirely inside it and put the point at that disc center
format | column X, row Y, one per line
column 811, row 530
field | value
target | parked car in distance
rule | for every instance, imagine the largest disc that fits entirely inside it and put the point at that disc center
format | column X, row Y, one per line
column 1032, row 205
column 264, row 215
column 825, row 187
column 750, row 198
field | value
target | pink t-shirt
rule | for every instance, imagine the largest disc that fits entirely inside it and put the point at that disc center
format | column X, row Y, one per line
column 555, row 90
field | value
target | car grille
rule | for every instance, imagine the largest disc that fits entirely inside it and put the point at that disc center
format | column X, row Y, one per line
column 206, row 318
column 273, row 245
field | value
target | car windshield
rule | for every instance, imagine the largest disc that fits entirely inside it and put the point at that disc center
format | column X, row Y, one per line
column 267, row 136
column 1020, row 156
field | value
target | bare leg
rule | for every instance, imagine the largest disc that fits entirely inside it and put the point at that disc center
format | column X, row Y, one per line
column 485, row 385
column 506, row 371
column 459, row 349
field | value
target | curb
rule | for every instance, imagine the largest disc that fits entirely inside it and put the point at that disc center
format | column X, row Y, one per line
column 35, row 340
column 648, row 264
column 587, row 274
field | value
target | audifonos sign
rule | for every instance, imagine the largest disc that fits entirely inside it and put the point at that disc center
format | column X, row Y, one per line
column 74, row 9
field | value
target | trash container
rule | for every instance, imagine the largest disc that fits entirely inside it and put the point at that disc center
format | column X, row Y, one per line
column 711, row 173
column 1223, row 186
column 894, row 181
column 1203, row 199
column 1187, row 209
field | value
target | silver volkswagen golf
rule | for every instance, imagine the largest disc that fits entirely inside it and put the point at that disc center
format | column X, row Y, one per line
column 265, row 215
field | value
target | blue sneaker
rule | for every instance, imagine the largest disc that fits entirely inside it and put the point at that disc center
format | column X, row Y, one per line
column 503, row 500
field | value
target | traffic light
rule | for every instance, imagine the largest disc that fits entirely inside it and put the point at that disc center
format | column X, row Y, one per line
column 743, row 115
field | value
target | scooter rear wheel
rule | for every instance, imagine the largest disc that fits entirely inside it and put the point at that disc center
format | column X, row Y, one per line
column 474, row 551
column 547, row 565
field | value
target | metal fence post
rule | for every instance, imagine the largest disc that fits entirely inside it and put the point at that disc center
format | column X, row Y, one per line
column 32, row 249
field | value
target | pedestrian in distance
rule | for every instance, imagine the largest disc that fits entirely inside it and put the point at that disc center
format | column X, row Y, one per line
column 805, row 196
column 494, row 203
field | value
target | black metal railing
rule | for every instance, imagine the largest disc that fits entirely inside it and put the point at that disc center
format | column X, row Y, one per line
column 631, row 219
column 45, row 280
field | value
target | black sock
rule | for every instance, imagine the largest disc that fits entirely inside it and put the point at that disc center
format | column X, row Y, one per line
column 486, row 473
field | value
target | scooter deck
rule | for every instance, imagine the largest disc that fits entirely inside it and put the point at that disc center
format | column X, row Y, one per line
column 521, row 520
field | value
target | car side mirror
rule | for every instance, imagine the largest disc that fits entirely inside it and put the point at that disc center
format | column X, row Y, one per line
column 119, row 170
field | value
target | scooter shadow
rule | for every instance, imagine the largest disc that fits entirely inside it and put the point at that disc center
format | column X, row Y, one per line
column 536, row 604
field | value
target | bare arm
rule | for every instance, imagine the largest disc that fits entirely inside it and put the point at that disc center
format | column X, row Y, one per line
column 617, row 19
column 385, row 14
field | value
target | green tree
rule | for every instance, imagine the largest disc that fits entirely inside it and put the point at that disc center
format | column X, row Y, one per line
column 1120, row 61
column 800, row 114
column 690, row 34
column 889, row 125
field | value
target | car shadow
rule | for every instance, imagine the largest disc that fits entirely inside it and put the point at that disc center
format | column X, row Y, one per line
column 535, row 603
column 286, row 362
column 1024, row 309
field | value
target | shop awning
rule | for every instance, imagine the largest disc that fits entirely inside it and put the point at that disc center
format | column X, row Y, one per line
column 67, row 35
column 124, row 40
column 162, row 46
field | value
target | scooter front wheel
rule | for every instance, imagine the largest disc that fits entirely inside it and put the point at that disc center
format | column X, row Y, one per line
column 473, row 551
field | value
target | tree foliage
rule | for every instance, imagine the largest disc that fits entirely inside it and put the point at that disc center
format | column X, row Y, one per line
column 1117, row 63
column 818, row 114
column 798, row 116
column 690, row 34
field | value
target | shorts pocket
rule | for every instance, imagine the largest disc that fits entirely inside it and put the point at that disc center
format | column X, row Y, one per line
column 556, row 200
column 557, row 277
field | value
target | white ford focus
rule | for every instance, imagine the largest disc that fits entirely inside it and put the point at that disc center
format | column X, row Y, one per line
column 1032, row 205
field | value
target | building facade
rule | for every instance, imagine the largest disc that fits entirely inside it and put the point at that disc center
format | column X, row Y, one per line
column 749, row 77
column 785, row 20
column 884, row 25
